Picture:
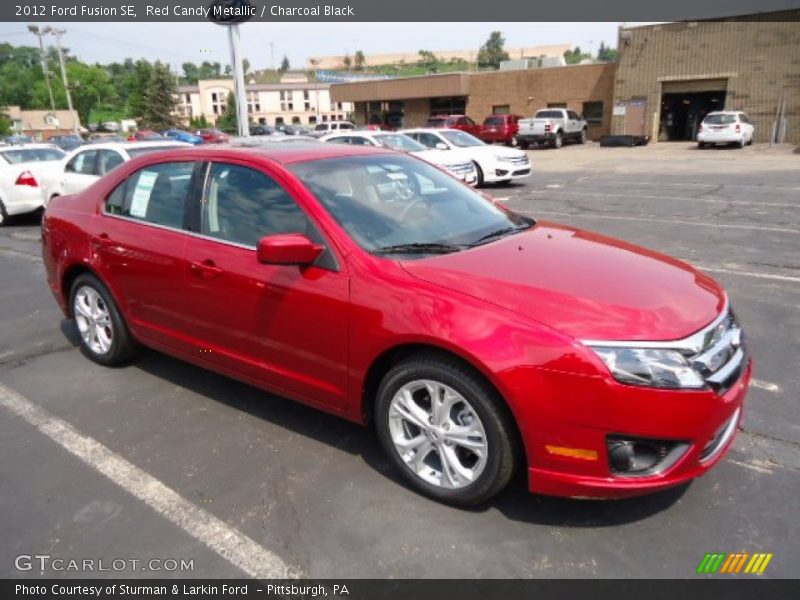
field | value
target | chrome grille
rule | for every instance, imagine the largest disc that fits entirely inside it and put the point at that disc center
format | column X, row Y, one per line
column 718, row 353
column 518, row 160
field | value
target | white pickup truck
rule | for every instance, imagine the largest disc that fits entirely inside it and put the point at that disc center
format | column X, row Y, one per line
column 553, row 126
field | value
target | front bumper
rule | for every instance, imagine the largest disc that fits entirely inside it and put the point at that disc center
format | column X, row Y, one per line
column 505, row 170
column 698, row 419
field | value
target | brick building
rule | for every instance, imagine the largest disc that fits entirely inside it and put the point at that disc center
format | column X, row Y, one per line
column 670, row 75
column 409, row 101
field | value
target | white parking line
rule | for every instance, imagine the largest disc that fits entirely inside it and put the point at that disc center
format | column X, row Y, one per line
column 227, row 541
column 691, row 199
column 711, row 269
column 661, row 184
column 661, row 220
column 765, row 385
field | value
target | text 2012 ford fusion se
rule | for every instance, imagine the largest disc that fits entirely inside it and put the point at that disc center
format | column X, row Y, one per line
column 374, row 286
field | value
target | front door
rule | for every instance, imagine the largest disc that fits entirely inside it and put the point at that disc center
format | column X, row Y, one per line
column 283, row 325
column 634, row 117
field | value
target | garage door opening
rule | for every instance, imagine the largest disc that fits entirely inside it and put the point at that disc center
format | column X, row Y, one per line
column 682, row 113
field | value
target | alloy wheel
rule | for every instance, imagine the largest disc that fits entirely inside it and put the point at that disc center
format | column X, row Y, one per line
column 438, row 434
column 93, row 318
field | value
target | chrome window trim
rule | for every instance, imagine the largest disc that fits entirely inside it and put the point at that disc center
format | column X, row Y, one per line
column 688, row 345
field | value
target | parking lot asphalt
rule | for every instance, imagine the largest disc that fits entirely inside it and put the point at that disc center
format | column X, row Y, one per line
column 160, row 459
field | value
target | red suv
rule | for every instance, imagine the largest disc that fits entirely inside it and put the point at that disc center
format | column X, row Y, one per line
column 213, row 136
column 477, row 340
column 461, row 122
column 500, row 128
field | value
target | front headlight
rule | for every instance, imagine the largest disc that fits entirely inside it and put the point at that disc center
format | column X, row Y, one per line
column 501, row 158
column 650, row 367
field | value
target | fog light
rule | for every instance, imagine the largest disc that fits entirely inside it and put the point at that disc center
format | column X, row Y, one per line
column 500, row 172
column 635, row 456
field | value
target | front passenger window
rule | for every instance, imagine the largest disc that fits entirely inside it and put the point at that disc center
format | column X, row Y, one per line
column 243, row 205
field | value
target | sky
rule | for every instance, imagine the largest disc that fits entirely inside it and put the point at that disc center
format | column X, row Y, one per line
column 177, row 43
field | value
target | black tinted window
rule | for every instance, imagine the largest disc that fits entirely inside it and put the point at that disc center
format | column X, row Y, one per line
column 156, row 194
column 108, row 160
column 83, row 163
column 243, row 205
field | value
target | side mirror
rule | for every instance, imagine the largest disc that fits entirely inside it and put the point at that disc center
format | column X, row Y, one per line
column 441, row 146
column 288, row 249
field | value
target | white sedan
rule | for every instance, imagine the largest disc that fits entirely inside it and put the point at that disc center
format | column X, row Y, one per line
column 85, row 165
column 458, row 165
column 494, row 164
column 22, row 170
column 726, row 127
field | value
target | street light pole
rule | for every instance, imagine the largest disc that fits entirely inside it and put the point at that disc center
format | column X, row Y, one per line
column 40, row 33
column 238, row 80
column 57, row 33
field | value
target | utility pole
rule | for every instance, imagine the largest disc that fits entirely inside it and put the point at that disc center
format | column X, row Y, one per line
column 272, row 54
column 57, row 33
column 40, row 33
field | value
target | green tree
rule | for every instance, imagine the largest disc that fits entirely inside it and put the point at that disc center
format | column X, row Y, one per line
column 198, row 122
column 574, row 56
column 607, row 54
column 347, row 61
column 5, row 123
column 360, row 59
column 285, row 66
column 137, row 92
column 228, row 121
column 493, row 51
column 160, row 101
column 245, row 66
column 428, row 60
column 90, row 86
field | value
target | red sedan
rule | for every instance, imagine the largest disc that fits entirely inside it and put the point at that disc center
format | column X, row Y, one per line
column 213, row 136
column 374, row 286
column 462, row 122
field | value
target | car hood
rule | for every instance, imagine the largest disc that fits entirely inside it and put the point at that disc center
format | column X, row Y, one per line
column 580, row 283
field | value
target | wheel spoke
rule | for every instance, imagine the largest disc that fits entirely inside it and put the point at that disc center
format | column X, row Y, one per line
column 409, row 410
column 454, row 474
column 470, row 437
column 81, row 308
column 442, row 403
column 418, row 460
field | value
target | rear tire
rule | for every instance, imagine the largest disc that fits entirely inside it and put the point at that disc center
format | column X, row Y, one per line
column 514, row 142
column 104, row 337
column 743, row 143
column 701, row 145
column 3, row 214
column 446, row 430
column 558, row 141
column 523, row 144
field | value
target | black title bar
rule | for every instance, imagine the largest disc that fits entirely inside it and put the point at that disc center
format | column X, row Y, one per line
column 451, row 11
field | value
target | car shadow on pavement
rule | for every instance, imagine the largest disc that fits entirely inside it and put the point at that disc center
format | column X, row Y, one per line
column 515, row 502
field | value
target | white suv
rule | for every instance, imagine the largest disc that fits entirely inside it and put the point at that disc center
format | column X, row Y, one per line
column 726, row 127
column 331, row 127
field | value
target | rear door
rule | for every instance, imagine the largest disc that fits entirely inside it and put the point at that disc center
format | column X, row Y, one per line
column 283, row 326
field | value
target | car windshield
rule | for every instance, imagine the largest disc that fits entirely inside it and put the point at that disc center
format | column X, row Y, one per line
column 394, row 204
column 23, row 155
column 134, row 152
column 461, row 139
column 720, row 119
column 548, row 114
column 398, row 141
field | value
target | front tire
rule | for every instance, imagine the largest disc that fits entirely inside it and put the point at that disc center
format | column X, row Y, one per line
column 104, row 337
column 582, row 137
column 479, row 171
column 446, row 430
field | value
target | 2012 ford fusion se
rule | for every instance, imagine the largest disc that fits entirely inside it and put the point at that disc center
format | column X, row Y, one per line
column 374, row 286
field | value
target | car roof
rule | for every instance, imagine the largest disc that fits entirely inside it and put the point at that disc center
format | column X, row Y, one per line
column 30, row 146
column 428, row 130
column 281, row 153
column 129, row 145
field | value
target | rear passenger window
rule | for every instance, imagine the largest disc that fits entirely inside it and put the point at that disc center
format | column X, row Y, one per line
column 82, row 163
column 156, row 194
column 243, row 205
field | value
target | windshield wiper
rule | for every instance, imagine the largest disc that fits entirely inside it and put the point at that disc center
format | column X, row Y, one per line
column 500, row 233
column 419, row 248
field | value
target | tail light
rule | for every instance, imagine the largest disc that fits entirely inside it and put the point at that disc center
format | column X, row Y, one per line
column 738, row 128
column 26, row 178
column 547, row 127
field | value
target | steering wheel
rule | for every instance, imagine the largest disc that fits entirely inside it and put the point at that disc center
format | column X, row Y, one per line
column 412, row 204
